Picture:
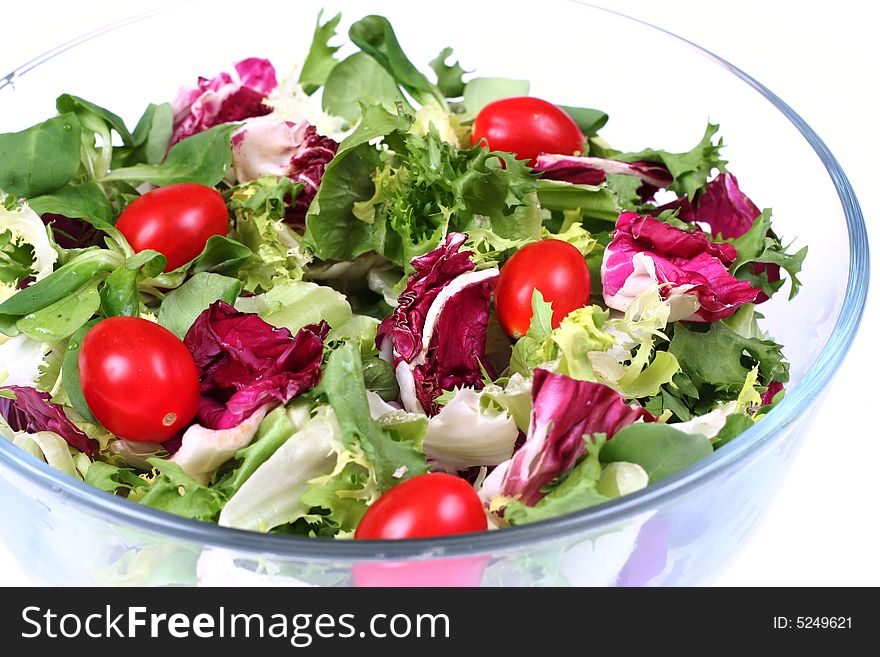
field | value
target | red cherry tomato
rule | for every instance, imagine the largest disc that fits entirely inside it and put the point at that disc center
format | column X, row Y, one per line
column 553, row 267
column 138, row 379
column 527, row 126
column 427, row 505
column 176, row 221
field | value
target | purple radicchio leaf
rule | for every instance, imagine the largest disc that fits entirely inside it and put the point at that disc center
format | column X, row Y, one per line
column 773, row 389
column 564, row 411
column 728, row 212
column 244, row 363
column 283, row 149
column 721, row 205
column 224, row 98
column 31, row 411
column 436, row 336
column 592, row 171
column 688, row 266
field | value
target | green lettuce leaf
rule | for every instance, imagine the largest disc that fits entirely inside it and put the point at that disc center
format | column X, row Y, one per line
column 449, row 76
column 691, row 170
column 112, row 479
column 85, row 201
column 203, row 158
column 715, row 357
column 321, row 60
column 513, row 395
column 479, row 92
column 379, row 377
column 620, row 353
column 735, row 424
column 337, row 501
column 64, row 317
column 150, row 138
column 745, row 322
column 357, row 329
column 718, row 366
column 375, row 36
column 580, row 333
column 376, row 122
column 760, row 245
column 47, row 446
column 16, row 259
column 595, row 204
column 590, row 121
column 270, row 496
column 25, row 248
column 533, row 349
column 357, row 82
column 275, row 429
column 332, row 230
column 183, row 305
column 573, row 233
column 343, row 384
column 174, row 491
column 402, row 203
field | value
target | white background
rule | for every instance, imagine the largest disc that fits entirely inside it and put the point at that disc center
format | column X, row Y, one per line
column 822, row 59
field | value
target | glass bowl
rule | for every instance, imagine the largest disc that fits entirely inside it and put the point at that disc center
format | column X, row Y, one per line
column 680, row 531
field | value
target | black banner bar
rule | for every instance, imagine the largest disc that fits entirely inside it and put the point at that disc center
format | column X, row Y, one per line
column 396, row 621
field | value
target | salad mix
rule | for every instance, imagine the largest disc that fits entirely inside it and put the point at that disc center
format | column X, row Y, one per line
column 369, row 302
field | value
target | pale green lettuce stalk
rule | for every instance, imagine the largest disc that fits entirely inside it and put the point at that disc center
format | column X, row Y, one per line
column 466, row 433
column 311, row 470
column 294, row 304
column 203, row 450
column 48, row 446
column 271, row 495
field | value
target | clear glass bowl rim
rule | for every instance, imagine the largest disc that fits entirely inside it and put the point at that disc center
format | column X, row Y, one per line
column 116, row 509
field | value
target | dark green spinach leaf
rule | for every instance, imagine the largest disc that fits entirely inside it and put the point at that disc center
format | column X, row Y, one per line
column 660, row 449
column 42, row 158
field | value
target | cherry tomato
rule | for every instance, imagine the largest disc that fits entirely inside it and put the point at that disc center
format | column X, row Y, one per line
column 176, row 221
column 527, row 126
column 138, row 379
column 553, row 267
column 427, row 505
